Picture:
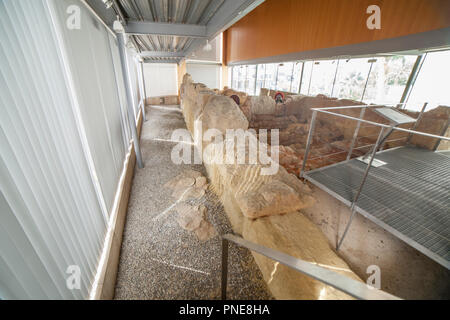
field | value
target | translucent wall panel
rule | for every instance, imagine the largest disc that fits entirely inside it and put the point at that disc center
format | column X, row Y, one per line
column 351, row 78
column 323, row 77
column 92, row 68
column 295, row 85
column 251, row 79
column 161, row 79
column 120, row 89
column 433, row 82
column 285, row 73
column 50, row 216
column 271, row 76
column 260, row 78
column 388, row 79
column 134, row 80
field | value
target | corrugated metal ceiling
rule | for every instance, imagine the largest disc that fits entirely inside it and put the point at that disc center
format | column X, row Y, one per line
column 197, row 12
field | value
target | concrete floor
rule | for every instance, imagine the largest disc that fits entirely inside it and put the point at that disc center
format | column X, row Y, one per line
column 159, row 259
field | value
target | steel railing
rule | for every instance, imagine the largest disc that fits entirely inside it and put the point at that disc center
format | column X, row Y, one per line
column 354, row 288
column 373, row 151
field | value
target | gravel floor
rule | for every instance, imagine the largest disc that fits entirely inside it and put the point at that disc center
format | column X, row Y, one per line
column 159, row 259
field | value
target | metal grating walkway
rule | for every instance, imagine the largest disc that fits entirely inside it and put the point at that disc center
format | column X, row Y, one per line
column 409, row 196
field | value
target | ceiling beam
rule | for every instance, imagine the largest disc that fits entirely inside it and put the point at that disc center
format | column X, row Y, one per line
column 162, row 61
column 161, row 54
column 168, row 29
column 230, row 12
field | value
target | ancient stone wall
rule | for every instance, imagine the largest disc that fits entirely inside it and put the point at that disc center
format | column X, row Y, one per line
column 332, row 135
column 163, row 100
column 266, row 209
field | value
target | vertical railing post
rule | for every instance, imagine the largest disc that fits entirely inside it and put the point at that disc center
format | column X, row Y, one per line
column 224, row 268
column 443, row 132
column 363, row 181
column 308, row 142
column 416, row 124
column 355, row 134
column 128, row 92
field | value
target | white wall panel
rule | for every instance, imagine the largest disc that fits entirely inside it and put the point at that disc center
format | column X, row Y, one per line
column 49, row 212
column 205, row 73
column 160, row 79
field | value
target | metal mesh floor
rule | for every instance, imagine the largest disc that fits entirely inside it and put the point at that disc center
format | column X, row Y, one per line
column 409, row 196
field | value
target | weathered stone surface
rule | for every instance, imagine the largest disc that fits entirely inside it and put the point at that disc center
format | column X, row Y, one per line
column 193, row 193
column 296, row 235
column 205, row 231
column 261, row 105
column 200, row 182
column 184, row 186
column 222, row 113
column 189, row 217
column 434, row 122
column 230, row 92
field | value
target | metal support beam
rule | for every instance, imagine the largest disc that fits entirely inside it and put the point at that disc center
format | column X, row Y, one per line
column 308, row 142
column 363, row 181
column 355, row 134
column 128, row 92
column 142, row 93
column 228, row 14
column 412, row 78
column 416, row 124
column 167, row 29
column 162, row 61
column 161, row 54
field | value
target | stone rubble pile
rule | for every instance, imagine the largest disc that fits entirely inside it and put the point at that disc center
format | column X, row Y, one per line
column 191, row 185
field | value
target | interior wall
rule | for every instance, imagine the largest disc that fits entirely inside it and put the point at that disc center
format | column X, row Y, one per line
column 279, row 27
column 181, row 69
column 160, row 79
column 208, row 74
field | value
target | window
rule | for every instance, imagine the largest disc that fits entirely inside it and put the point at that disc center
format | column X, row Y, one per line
column 432, row 83
column 307, row 72
column 388, row 78
column 323, row 77
column 271, row 76
column 235, row 78
column 251, row 79
column 242, row 74
column 260, row 78
column 285, row 72
column 351, row 78
column 295, row 84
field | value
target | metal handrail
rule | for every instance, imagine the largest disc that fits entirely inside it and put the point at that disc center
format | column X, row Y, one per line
column 373, row 151
column 345, row 284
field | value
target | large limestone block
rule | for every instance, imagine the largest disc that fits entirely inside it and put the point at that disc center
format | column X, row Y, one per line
column 222, row 113
column 295, row 235
column 242, row 95
column 261, row 105
column 256, row 194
